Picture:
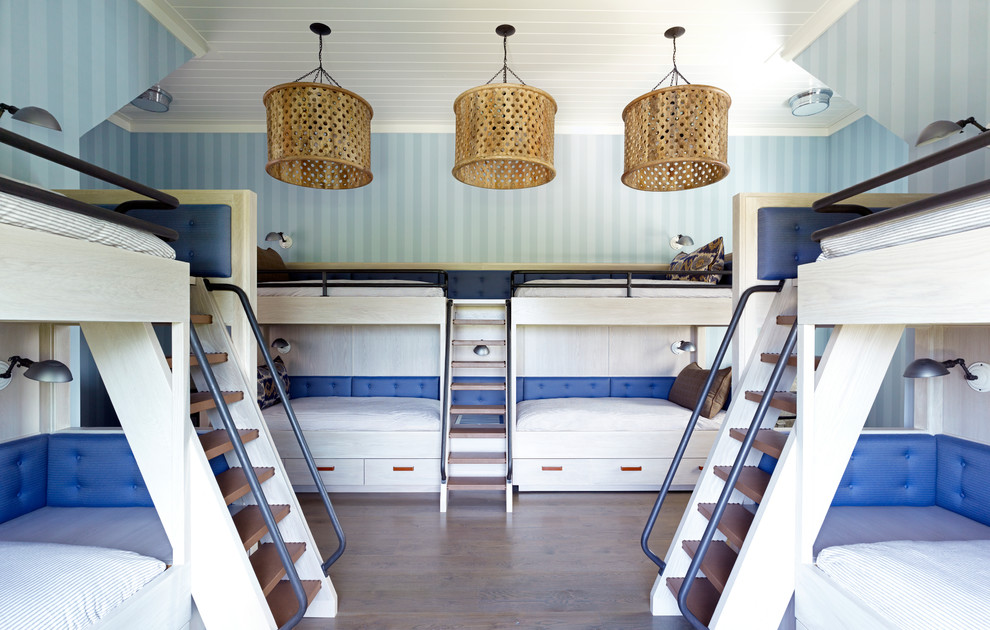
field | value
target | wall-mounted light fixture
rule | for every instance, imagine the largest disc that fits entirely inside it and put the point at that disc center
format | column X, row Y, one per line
column 682, row 346
column 285, row 242
column 681, row 240
column 281, row 345
column 49, row 371
column 810, row 102
column 154, row 99
column 977, row 375
column 482, row 350
column 943, row 129
column 31, row 115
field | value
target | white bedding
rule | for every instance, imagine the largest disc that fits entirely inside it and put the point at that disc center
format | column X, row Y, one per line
column 609, row 287
column 60, row 587
column 923, row 585
column 607, row 414
column 958, row 217
column 38, row 216
column 340, row 288
column 345, row 413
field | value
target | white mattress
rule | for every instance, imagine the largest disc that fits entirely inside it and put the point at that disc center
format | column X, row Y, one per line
column 345, row 413
column 606, row 287
column 923, row 585
column 62, row 587
column 38, row 216
column 607, row 414
column 958, row 217
column 339, row 288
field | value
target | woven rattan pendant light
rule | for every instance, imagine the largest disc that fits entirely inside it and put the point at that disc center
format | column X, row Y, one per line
column 676, row 137
column 504, row 132
column 319, row 134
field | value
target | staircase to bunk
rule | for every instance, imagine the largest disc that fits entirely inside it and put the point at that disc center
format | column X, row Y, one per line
column 239, row 574
column 476, row 438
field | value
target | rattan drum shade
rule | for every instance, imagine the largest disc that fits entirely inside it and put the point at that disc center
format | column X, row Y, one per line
column 504, row 136
column 676, row 138
column 319, row 136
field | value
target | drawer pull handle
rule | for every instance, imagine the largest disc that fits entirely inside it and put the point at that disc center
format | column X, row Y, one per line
column 553, row 468
column 402, row 468
column 631, row 468
column 325, row 468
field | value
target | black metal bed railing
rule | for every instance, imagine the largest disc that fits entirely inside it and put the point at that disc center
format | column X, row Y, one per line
column 689, row 429
column 730, row 482
column 509, row 377
column 632, row 279
column 391, row 278
column 293, row 421
column 445, row 403
column 257, row 492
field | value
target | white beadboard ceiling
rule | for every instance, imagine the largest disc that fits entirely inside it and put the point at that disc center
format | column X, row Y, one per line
column 411, row 58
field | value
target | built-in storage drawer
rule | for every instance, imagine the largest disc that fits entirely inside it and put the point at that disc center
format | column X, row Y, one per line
column 608, row 473
column 334, row 472
column 402, row 472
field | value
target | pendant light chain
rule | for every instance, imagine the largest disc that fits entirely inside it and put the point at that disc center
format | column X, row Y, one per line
column 319, row 74
column 505, row 64
column 674, row 74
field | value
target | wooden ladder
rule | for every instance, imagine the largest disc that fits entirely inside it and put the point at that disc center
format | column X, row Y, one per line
column 476, row 453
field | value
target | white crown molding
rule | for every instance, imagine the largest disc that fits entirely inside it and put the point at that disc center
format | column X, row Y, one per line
column 123, row 122
column 162, row 11
column 821, row 21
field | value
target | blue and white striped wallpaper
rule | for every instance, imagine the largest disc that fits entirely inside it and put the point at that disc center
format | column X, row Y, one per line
column 415, row 211
column 82, row 60
column 907, row 63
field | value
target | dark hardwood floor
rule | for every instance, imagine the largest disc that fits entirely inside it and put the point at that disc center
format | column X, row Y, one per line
column 560, row 560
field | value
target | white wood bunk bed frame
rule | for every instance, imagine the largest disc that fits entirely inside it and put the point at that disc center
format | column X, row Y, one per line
column 631, row 337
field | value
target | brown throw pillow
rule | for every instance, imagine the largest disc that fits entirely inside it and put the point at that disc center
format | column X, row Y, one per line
column 689, row 383
column 268, row 259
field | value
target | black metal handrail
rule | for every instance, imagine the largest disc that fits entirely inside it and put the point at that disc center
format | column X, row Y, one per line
column 508, row 392
column 293, row 422
column 393, row 279
column 730, row 482
column 259, row 495
column 689, row 429
column 517, row 279
column 445, row 408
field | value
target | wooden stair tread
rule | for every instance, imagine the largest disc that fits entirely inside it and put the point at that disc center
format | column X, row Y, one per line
column 251, row 526
column 213, row 358
column 717, row 563
column 735, row 521
column 788, row 320
column 201, row 401
column 702, row 599
column 752, row 481
column 460, row 386
column 200, row 318
column 785, row 401
column 234, row 485
column 479, row 322
column 218, row 442
column 478, row 409
column 478, row 342
column 773, row 357
column 476, row 483
column 268, row 566
column 477, row 364
column 282, row 600
column 477, row 431
column 476, row 458
column 767, row 440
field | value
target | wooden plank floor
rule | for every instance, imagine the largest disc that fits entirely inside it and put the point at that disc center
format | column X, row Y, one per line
column 560, row 560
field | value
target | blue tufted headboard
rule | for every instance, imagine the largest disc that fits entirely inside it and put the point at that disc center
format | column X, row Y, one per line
column 784, row 237
column 204, row 236
column 890, row 469
column 386, row 386
column 963, row 471
column 540, row 387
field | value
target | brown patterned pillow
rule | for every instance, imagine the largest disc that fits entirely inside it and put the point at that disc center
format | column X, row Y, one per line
column 689, row 383
column 268, row 259
column 706, row 258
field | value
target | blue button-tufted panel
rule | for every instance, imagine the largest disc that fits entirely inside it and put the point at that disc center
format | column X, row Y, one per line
column 96, row 470
column 306, row 386
column 477, row 397
column 401, row 386
column 539, row 387
column 204, row 236
column 23, row 476
column 890, row 469
column 784, row 237
column 964, row 478
column 478, row 285
column 641, row 386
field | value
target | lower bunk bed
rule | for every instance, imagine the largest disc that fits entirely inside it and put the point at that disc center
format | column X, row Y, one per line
column 366, row 433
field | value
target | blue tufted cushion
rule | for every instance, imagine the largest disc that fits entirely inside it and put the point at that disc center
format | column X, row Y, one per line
column 640, row 386
column 890, row 469
column 204, row 236
column 963, row 474
column 488, row 285
column 267, row 391
column 477, row 397
column 784, row 237
column 23, row 476
column 400, row 386
column 95, row 470
column 540, row 387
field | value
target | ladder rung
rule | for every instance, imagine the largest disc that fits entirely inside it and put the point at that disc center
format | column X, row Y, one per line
column 752, row 481
column 212, row 358
column 476, row 483
column 773, row 357
column 234, row 484
column 251, row 526
column 201, row 401
column 477, row 364
column 282, row 600
column 477, row 458
column 218, row 442
column 702, row 599
column 268, row 566
column 477, row 431
column 478, row 342
column 717, row 563
column 463, row 385
column 479, row 322
column 785, row 401
column 788, row 320
column 481, row 410
column 767, row 440
column 735, row 522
